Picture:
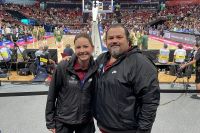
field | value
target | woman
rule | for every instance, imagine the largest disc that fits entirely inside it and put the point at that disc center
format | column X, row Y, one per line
column 68, row 106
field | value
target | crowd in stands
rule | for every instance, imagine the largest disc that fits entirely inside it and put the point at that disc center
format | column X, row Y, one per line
column 51, row 16
column 181, row 18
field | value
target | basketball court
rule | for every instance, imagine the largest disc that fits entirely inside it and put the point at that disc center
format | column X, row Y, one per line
column 22, row 102
column 69, row 39
column 101, row 7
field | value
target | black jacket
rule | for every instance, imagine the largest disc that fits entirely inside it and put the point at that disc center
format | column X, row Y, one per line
column 69, row 99
column 127, row 94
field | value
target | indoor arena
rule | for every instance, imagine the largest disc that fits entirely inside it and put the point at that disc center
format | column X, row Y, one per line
column 99, row 66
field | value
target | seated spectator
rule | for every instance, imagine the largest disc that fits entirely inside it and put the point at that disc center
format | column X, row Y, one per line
column 5, row 53
column 164, row 55
column 68, row 51
column 47, row 54
column 39, row 51
column 22, row 53
column 46, row 61
column 179, row 54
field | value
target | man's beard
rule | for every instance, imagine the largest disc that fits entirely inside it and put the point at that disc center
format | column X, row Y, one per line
column 115, row 52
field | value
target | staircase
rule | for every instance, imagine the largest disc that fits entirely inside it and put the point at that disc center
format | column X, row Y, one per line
column 16, row 15
column 160, row 20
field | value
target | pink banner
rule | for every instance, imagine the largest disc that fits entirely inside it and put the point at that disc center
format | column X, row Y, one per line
column 186, row 46
column 181, row 2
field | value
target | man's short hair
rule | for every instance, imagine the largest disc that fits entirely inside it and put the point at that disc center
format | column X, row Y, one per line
column 119, row 25
column 165, row 45
column 180, row 46
column 40, row 47
column 46, row 47
column 67, row 45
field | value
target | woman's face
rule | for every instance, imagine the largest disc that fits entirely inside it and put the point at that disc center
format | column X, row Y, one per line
column 83, row 49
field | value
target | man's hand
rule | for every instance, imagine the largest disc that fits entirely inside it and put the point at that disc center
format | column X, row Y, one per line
column 53, row 130
column 52, row 61
column 183, row 66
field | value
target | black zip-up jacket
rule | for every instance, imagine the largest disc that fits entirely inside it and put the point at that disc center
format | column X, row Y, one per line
column 69, row 98
column 127, row 94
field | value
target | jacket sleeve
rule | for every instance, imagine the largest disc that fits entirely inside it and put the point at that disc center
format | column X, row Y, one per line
column 54, row 87
column 147, row 92
column 143, row 131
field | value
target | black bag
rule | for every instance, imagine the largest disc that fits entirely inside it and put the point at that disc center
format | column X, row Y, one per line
column 172, row 70
column 24, row 72
column 41, row 76
column 3, row 71
column 3, row 75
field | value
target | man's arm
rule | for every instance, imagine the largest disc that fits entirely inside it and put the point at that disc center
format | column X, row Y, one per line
column 147, row 92
column 189, row 63
column 25, row 55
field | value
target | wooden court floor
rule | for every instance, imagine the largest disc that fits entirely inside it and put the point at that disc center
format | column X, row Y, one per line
column 68, row 39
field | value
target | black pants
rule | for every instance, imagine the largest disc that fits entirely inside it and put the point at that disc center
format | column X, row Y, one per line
column 80, row 128
column 197, row 80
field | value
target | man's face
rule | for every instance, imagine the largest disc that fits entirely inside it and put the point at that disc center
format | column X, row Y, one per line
column 116, row 41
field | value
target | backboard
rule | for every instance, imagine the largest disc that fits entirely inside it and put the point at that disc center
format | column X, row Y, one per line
column 104, row 6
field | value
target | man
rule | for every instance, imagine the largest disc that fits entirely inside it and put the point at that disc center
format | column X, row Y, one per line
column 127, row 89
column 39, row 51
column 179, row 54
column 144, row 41
column 47, row 54
column 133, row 37
column 58, row 35
column 196, row 60
column 5, row 53
column 68, row 51
column 46, row 61
column 163, row 58
column 22, row 53
column 164, row 55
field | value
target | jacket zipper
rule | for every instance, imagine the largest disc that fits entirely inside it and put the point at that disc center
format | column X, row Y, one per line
column 81, row 84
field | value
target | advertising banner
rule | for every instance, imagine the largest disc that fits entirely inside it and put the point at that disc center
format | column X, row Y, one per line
column 180, row 37
column 182, row 2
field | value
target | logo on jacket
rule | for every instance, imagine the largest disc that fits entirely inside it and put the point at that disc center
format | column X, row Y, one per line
column 73, row 80
column 114, row 71
column 90, row 80
column 73, row 77
column 100, row 68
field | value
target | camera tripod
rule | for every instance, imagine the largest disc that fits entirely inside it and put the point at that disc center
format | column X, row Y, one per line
column 186, row 73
